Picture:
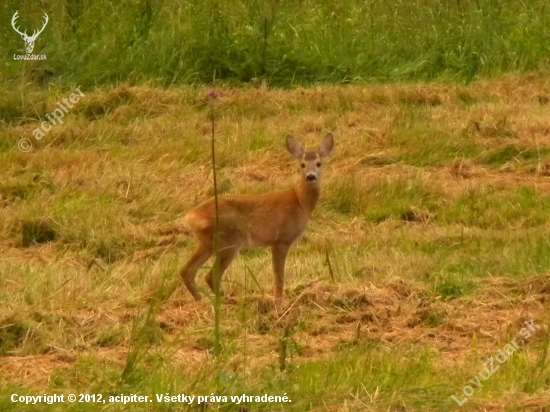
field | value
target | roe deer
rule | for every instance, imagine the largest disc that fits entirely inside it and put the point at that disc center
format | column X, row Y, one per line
column 277, row 219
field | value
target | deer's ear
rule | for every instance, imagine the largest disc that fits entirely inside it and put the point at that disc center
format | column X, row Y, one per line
column 326, row 145
column 294, row 147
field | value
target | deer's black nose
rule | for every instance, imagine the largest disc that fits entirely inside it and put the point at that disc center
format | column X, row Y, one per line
column 311, row 177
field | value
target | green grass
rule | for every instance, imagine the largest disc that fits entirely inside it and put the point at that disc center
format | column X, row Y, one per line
column 98, row 42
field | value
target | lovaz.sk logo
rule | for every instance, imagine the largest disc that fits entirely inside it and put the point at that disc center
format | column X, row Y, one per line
column 29, row 40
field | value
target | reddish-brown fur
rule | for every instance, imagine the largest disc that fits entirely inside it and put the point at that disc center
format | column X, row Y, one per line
column 276, row 219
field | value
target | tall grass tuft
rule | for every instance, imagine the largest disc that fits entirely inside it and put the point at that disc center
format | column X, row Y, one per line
column 145, row 333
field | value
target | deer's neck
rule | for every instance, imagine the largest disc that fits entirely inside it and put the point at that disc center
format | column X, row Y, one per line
column 308, row 195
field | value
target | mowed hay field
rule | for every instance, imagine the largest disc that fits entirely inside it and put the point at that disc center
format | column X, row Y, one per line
column 428, row 252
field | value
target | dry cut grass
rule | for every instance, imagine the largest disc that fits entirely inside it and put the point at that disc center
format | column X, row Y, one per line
column 428, row 252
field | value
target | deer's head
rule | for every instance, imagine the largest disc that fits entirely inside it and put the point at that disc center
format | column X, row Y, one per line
column 29, row 40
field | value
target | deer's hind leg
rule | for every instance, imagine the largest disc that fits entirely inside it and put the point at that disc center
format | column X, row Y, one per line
column 189, row 271
column 226, row 256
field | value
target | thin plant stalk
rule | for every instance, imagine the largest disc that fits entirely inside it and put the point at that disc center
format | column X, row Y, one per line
column 216, row 268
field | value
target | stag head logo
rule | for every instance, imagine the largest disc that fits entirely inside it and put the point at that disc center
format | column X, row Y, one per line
column 29, row 40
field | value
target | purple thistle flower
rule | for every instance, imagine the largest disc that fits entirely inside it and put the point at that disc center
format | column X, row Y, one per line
column 213, row 94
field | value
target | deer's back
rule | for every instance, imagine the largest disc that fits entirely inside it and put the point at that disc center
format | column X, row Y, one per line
column 251, row 220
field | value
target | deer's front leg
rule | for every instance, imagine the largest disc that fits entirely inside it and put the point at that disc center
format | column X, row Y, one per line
column 279, row 258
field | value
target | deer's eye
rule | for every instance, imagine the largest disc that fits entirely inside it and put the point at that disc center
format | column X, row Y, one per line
column 318, row 164
column 303, row 165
